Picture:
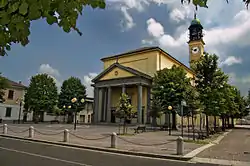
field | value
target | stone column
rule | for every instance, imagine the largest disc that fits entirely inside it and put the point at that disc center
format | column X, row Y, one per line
column 96, row 104
column 148, row 104
column 139, row 104
column 109, row 104
column 123, row 88
column 103, row 110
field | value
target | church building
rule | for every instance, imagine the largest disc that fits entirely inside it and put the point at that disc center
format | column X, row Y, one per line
column 132, row 73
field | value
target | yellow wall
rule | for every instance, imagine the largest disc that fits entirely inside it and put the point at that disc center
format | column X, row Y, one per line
column 197, row 56
column 165, row 62
column 120, row 74
column 144, row 62
column 18, row 93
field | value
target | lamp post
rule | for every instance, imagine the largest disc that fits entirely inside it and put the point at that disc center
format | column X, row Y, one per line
column 74, row 100
column 20, row 100
column 64, row 109
column 183, row 103
column 169, row 119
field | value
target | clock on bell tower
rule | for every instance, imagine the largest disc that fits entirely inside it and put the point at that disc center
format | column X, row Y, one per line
column 196, row 43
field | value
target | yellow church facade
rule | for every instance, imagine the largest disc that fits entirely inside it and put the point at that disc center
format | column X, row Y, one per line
column 132, row 73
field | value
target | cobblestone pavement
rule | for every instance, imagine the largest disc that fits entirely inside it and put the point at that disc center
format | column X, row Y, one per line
column 235, row 146
column 100, row 136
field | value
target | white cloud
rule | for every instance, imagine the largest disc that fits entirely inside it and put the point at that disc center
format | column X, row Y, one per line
column 87, row 82
column 52, row 72
column 231, row 60
column 155, row 29
column 128, row 22
column 216, row 39
column 181, row 13
column 46, row 68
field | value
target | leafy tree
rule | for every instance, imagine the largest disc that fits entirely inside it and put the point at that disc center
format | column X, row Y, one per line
column 156, row 110
column 248, row 97
column 124, row 110
column 3, row 86
column 17, row 15
column 203, row 3
column 41, row 94
column 169, row 87
column 72, row 88
column 193, row 104
column 209, row 81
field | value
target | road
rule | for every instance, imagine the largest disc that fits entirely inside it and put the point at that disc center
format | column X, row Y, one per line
column 23, row 153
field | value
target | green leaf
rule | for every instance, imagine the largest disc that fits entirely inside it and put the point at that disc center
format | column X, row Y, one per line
column 23, row 9
column 34, row 12
column 3, row 3
column 8, row 47
column 13, row 7
column 5, row 19
column 51, row 19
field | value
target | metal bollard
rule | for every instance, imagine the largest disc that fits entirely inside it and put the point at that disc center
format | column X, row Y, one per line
column 5, row 129
column 31, row 132
column 180, row 146
column 66, row 135
column 113, row 140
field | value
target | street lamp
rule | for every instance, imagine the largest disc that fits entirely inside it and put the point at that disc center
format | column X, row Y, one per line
column 169, row 123
column 183, row 103
column 20, row 100
column 74, row 100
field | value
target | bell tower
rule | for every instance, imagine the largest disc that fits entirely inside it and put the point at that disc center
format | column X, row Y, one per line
column 196, row 43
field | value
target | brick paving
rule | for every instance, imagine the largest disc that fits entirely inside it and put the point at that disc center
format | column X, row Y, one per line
column 235, row 146
column 142, row 142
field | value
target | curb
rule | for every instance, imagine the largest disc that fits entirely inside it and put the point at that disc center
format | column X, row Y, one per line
column 195, row 152
column 140, row 154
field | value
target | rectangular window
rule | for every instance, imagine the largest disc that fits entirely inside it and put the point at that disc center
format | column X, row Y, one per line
column 8, row 112
column 11, row 94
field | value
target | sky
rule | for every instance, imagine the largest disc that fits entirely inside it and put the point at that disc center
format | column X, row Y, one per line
column 129, row 24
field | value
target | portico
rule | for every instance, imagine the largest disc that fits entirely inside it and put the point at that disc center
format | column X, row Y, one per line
column 113, row 81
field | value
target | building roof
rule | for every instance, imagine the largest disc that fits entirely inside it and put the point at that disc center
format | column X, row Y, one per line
column 129, row 69
column 145, row 49
column 129, row 52
column 195, row 21
column 15, row 84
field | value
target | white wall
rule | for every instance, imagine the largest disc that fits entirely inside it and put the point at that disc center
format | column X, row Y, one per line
column 50, row 117
column 14, row 112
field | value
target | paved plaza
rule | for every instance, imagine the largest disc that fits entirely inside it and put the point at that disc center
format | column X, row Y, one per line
column 158, row 142
column 235, row 146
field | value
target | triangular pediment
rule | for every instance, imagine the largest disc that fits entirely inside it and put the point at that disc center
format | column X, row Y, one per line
column 116, row 71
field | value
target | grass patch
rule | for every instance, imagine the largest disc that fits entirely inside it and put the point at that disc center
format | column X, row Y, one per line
column 201, row 142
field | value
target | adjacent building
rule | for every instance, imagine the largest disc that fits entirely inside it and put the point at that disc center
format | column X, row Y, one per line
column 132, row 73
column 86, row 115
column 12, row 106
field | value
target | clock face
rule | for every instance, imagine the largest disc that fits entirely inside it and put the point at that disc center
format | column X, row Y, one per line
column 195, row 50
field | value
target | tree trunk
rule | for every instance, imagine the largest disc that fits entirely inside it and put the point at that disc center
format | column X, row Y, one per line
column 215, row 123
column 200, row 121
column 124, row 126
column 223, row 123
column 228, row 122
column 232, row 121
column 154, row 122
column 174, row 121
column 207, row 125
column 193, row 125
column 188, row 125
